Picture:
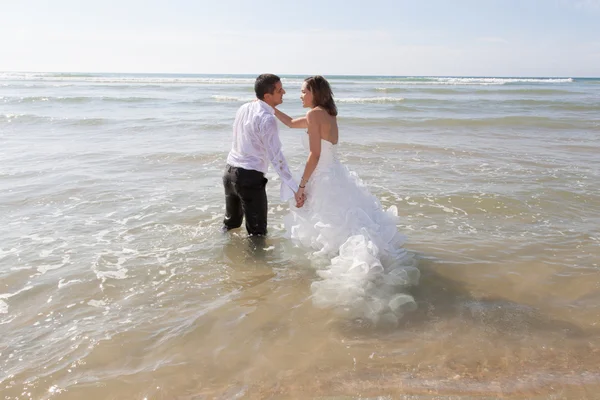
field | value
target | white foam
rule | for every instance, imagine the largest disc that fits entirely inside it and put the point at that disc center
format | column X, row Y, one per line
column 365, row 100
column 96, row 303
column 22, row 76
column 249, row 81
column 46, row 267
column 62, row 283
column 124, row 79
column 231, row 98
column 9, row 295
column 450, row 81
column 46, row 253
column 500, row 81
column 55, row 389
column 21, row 268
column 37, row 238
column 4, row 253
column 4, row 305
column 116, row 274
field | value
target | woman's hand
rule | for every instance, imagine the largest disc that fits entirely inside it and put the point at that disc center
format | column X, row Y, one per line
column 300, row 197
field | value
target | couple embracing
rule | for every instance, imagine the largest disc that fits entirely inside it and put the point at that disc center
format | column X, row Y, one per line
column 334, row 213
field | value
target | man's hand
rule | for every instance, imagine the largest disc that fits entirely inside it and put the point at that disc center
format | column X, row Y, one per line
column 300, row 198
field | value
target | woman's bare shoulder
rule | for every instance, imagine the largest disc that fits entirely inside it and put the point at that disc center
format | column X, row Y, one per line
column 317, row 113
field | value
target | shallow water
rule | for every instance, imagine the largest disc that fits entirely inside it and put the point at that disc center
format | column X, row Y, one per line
column 115, row 282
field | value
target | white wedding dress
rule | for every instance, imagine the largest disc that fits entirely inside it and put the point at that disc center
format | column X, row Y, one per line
column 365, row 270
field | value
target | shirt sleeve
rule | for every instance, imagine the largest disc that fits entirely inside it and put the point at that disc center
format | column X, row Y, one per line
column 275, row 154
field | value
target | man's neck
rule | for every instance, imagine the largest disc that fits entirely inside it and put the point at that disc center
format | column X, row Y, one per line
column 264, row 101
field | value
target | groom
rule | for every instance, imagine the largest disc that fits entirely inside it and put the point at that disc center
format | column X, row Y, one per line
column 255, row 144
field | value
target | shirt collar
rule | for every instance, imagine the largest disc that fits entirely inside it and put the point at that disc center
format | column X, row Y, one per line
column 266, row 107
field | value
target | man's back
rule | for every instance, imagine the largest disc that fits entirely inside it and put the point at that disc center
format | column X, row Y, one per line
column 249, row 130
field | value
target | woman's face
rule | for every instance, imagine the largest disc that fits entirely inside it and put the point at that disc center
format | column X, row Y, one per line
column 306, row 96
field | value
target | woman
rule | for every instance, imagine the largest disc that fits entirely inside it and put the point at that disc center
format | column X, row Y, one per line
column 345, row 224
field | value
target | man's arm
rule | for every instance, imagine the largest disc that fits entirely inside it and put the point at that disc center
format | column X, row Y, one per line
column 274, row 151
column 289, row 122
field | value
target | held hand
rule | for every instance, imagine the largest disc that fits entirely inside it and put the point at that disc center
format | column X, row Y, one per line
column 299, row 200
column 300, row 197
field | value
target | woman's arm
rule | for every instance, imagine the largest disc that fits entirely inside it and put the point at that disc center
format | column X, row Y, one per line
column 314, row 138
column 289, row 122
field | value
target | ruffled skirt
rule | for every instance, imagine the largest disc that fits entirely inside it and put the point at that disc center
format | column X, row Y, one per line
column 366, row 271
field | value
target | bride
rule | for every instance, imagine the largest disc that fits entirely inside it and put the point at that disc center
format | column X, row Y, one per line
column 367, row 270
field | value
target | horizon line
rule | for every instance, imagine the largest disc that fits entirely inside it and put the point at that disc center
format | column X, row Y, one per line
column 296, row 74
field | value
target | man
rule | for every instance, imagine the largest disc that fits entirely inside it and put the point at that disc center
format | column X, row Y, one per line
column 255, row 144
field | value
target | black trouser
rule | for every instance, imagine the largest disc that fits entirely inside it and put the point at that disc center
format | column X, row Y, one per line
column 245, row 196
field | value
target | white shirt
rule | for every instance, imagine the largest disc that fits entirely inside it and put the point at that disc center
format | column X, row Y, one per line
column 256, row 142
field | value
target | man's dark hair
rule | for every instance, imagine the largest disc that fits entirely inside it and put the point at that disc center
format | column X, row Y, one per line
column 265, row 83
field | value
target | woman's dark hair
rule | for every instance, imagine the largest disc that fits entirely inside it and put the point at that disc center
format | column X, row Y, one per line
column 264, row 84
column 322, row 94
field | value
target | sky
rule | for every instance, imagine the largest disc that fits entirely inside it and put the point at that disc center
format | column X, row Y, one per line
column 329, row 37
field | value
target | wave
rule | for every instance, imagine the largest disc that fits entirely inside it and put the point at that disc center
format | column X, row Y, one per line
column 24, row 118
column 457, row 94
column 501, row 81
column 430, row 89
column 292, row 80
column 381, row 147
column 152, row 123
column 465, row 81
column 89, row 121
column 131, row 99
column 185, row 158
column 453, row 81
column 478, row 102
column 131, row 125
column 367, row 100
column 393, row 89
column 535, row 91
column 575, row 107
column 356, row 100
column 390, row 89
column 125, row 125
column 512, row 121
column 136, row 79
column 39, row 119
column 480, row 91
column 231, row 99
column 509, row 121
column 77, row 100
column 523, row 91
column 408, row 108
column 63, row 74
column 126, row 79
column 555, row 105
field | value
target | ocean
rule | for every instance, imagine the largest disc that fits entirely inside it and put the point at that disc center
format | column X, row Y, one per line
column 117, row 283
